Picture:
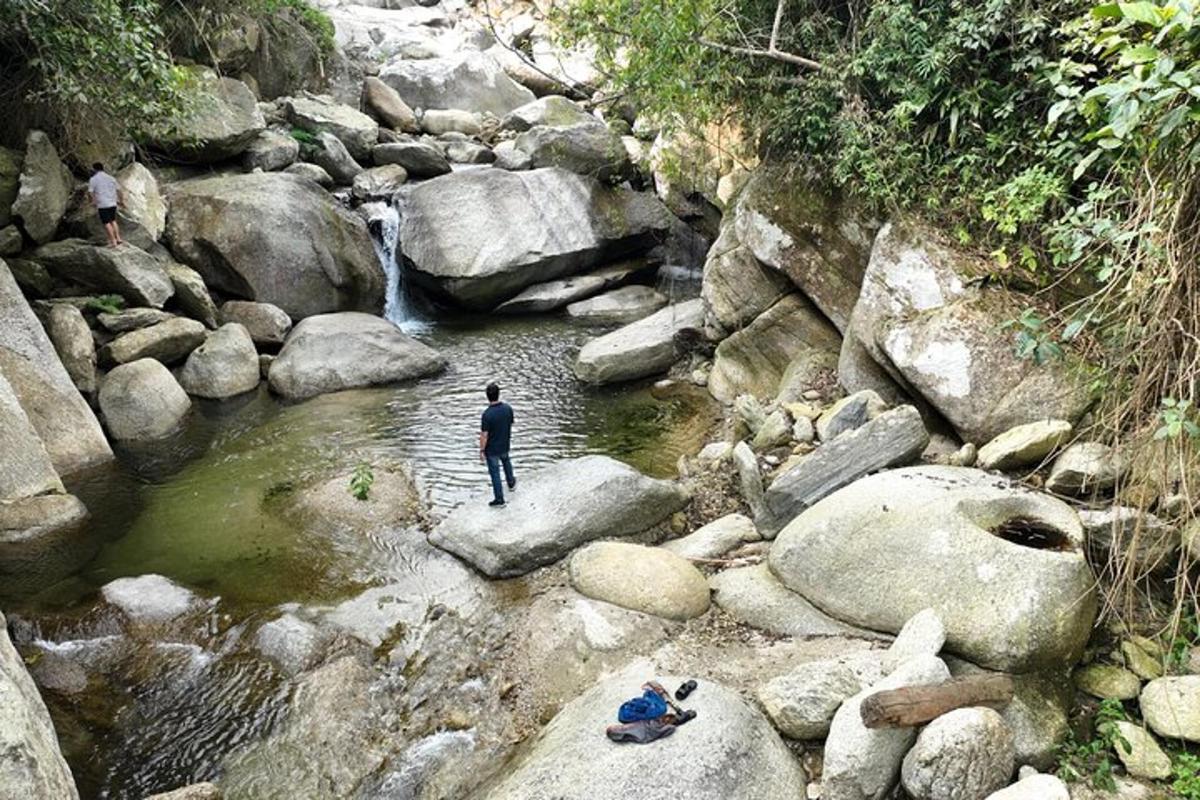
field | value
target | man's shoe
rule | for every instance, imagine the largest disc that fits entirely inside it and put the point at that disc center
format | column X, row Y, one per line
column 512, row 486
column 496, row 503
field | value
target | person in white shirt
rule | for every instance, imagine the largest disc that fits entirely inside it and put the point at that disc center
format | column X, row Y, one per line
column 106, row 197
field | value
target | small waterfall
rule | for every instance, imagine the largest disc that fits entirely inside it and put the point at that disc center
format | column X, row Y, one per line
column 384, row 224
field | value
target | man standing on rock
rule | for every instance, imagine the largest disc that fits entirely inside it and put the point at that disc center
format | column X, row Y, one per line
column 494, row 433
column 106, row 196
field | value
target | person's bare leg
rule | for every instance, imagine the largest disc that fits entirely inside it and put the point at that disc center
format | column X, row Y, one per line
column 117, row 230
column 111, row 230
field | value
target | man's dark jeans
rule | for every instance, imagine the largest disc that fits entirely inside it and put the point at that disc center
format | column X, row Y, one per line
column 493, row 464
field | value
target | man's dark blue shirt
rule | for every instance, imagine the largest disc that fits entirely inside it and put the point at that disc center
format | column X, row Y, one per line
column 497, row 421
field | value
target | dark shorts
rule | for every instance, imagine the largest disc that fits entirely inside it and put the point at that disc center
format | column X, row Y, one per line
column 108, row 215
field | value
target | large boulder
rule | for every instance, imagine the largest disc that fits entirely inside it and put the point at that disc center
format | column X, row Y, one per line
column 169, row 341
column 267, row 324
column 388, row 106
column 271, row 151
column 221, row 120
column 72, row 339
column 639, row 349
column 224, row 366
column 555, row 294
column 142, row 401
column 43, row 539
column 790, row 337
column 332, row 352
column 588, row 149
column 303, row 252
column 331, row 155
column 321, row 114
column 470, row 80
column 33, row 765
column 964, row 755
column 820, row 242
column 969, row 542
column 419, row 159
column 65, row 424
column 894, row 438
column 624, row 305
column 647, row 579
column 480, row 236
column 802, row 702
column 126, row 270
column 192, row 294
column 729, row 752
column 557, row 509
column 46, row 187
column 25, row 467
column 736, row 287
column 755, row 597
column 554, row 110
column 1171, row 707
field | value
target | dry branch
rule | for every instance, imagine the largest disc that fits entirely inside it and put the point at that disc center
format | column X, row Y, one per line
column 916, row 705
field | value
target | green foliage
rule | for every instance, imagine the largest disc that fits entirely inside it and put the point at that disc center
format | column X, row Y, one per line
column 303, row 137
column 1185, row 775
column 1034, row 338
column 313, row 19
column 1187, row 638
column 1095, row 759
column 361, row 481
column 105, row 303
column 1177, row 418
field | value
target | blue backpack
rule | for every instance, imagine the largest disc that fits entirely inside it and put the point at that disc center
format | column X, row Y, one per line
column 648, row 706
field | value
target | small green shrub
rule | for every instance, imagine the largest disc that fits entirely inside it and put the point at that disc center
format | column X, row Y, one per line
column 1094, row 760
column 361, row 481
column 1033, row 338
column 314, row 20
column 105, row 304
column 303, row 137
column 1185, row 772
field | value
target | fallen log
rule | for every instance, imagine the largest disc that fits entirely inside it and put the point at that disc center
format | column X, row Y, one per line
column 916, row 705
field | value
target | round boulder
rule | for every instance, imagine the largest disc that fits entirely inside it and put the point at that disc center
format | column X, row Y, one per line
column 728, row 752
column 224, row 366
column 964, row 755
column 648, row 579
column 267, row 324
column 142, row 401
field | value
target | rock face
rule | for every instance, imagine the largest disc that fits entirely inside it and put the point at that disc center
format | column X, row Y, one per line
column 332, row 352
column 318, row 114
column 737, row 287
column 819, row 242
column 964, row 755
column 1171, row 707
column 45, row 191
column 647, row 579
column 480, row 236
column 470, row 81
column 169, row 341
column 557, row 509
column 969, row 542
column 65, row 424
column 624, row 305
column 267, row 324
column 72, row 339
column 893, row 438
column 303, row 254
column 734, row 755
column 755, row 359
column 33, row 765
column 128, row 271
column 222, row 120
column 640, row 349
column 863, row 763
column 224, row 366
column 142, row 401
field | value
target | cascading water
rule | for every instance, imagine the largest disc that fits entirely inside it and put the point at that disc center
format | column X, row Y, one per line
column 384, row 223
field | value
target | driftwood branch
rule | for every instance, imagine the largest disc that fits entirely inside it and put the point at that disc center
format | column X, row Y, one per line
column 772, row 51
column 916, row 705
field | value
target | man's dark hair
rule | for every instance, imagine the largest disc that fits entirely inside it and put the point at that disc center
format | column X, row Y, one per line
column 493, row 392
column 97, row 167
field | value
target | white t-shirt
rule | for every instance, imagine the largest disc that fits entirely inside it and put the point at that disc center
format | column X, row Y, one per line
column 104, row 190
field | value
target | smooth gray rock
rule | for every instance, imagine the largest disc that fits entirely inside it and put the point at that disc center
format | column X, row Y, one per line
column 716, row 538
column 639, row 349
column 470, row 80
column 1122, row 534
column 72, row 340
column 195, row 791
column 33, row 765
column 848, row 414
column 53, row 405
column 863, row 763
column 438, row 122
column 543, row 297
column 379, row 183
column 332, row 156
column 801, row 704
column 1085, row 467
column 894, row 438
column 1025, row 445
column 169, row 341
column 736, row 286
column 46, row 187
column 624, row 305
column 142, row 215
column 647, row 579
column 750, row 480
column 149, row 599
column 292, row 643
column 1034, row 787
column 588, row 149
column 126, row 270
column 267, row 324
column 557, row 509
column 132, row 319
column 320, row 114
column 142, row 401
column 469, row 153
column 965, row 754
column 42, row 537
column 754, row 596
column 311, row 173
column 11, row 241
column 553, row 110
column 734, row 755
column 349, row 350
column 923, row 635
column 510, row 158
column 1171, row 707
column 25, row 466
column 271, row 151
column 304, row 253
column 755, row 359
column 387, row 106
column 224, row 366
column 1140, row 754
column 478, row 237
column 191, row 294
column 945, row 526
column 221, row 121
column 420, row 159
